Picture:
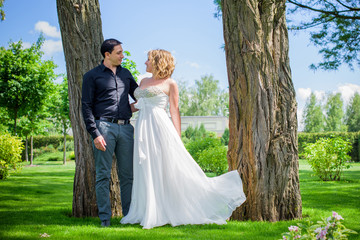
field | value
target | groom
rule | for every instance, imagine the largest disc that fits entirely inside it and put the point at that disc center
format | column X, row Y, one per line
column 106, row 111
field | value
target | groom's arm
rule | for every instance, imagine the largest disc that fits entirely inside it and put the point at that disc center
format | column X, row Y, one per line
column 87, row 102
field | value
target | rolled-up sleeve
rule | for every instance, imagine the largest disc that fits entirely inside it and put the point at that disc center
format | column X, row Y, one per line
column 87, row 101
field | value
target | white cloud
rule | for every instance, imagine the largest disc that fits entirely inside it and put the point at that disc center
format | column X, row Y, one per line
column 50, row 47
column 347, row 91
column 304, row 93
column 300, row 119
column 47, row 29
column 320, row 95
column 193, row 64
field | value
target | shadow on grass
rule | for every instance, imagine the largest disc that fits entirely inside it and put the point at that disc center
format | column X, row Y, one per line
column 37, row 220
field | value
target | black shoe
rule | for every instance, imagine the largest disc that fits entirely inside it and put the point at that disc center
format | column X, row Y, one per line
column 105, row 223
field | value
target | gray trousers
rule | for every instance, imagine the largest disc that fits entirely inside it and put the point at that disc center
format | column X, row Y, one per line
column 119, row 140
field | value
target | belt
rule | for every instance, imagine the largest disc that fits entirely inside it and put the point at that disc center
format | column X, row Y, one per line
column 114, row 120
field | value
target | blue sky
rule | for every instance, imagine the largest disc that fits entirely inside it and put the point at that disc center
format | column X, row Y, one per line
column 186, row 28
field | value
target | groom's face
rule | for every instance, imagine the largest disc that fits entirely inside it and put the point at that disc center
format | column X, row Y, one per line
column 116, row 56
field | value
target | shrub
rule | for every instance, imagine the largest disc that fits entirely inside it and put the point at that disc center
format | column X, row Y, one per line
column 72, row 156
column 353, row 138
column 195, row 147
column 69, row 146
column 54, row 159
column 328, row 157
column 209, row 153
column 225, row 137
column 214, row 160
column 10, row 154
column 55, row 140
column 184, row 139
column 196, row 133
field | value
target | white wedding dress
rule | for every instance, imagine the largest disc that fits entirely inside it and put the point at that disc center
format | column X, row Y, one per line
column 169, row 187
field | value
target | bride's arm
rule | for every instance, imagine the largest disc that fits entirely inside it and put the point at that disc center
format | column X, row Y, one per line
column 174, row 106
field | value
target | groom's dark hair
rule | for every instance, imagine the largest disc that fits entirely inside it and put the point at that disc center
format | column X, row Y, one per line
column 108, row 45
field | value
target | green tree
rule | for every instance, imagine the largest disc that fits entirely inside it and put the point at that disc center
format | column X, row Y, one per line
column 184, row 98
column 59, row 109
column 25, row 79
column 2, row 13
column 35, row 122
column 4, row 120
column 313, row 117
column 130, row 65
column 335, row 28
column 334, row 113
column 352, row 117
column 207, row 99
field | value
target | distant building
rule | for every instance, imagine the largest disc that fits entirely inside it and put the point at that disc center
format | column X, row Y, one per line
column 215, row 124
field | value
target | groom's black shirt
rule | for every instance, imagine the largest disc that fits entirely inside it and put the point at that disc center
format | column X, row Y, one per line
column 105, row 94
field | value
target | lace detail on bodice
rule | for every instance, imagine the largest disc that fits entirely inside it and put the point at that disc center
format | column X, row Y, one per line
column 150, row 97
column 148, row 92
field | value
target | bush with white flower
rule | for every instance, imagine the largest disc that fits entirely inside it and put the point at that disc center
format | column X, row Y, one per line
column 329, row 228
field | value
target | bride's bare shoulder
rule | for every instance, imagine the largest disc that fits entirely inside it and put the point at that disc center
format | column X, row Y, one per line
column 172, row 82
column 144, row 81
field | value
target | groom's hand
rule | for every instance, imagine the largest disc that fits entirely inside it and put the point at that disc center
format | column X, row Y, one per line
column 100, row 143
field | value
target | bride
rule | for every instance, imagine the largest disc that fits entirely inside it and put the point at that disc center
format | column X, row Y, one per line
column 169, row 187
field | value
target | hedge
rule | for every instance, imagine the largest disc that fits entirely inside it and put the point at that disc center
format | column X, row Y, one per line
column 352, row 137
column 303, row 138
column 55, row 140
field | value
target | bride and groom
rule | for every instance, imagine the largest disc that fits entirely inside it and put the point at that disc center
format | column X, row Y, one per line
column 159, row 180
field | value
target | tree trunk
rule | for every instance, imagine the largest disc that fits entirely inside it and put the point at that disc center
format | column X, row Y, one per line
column 81, row 32
column 116, row 209
column 26, row 149
column 262, row 121
column 64, row 153
column 31, row 150
column 15, row 121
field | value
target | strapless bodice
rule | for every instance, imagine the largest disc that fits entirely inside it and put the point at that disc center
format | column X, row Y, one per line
column 151, row 96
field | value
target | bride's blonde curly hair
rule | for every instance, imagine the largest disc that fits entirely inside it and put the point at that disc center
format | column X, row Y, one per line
column 163, row 63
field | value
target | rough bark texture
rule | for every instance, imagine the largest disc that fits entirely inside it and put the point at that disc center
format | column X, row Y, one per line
column 81, row 33
column 263, row 123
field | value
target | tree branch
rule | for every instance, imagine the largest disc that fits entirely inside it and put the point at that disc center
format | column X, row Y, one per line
column 334, row 13
column 348, row 7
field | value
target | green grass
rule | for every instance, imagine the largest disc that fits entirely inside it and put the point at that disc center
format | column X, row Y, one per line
column 38, row 200
column 51, row 158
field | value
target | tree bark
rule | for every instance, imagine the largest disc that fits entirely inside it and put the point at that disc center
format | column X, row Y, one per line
column 262, row 120
column 81, row 32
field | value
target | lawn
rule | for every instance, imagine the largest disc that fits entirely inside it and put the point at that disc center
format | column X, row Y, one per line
column 36, row 203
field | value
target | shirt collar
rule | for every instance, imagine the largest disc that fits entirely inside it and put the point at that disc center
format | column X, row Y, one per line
column 103, row 67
